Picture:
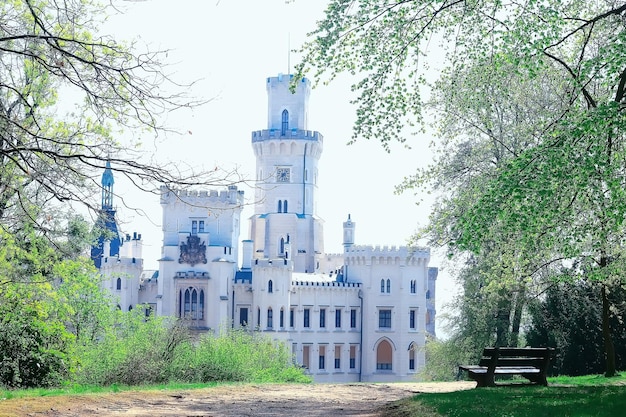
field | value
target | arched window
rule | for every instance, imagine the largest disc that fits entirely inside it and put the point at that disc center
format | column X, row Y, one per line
column 280, row 206
column 191, row 304
column 118, row 285
column 285, row 206
column 130, row 308
column 258, row 317
column 187, row 305
column 194, row 304
column 388, row 285
column 285, row 123
column 382, row 285
column 384, row 356
column 270, row 286
column 282, row 318
column 412, row 348
column 282, row 245
column 270, row 318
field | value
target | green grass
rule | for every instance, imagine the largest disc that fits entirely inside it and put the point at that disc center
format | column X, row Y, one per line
column 566, row 396
column 95, row 389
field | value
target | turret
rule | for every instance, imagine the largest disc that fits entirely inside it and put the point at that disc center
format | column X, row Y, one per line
column 348, row 233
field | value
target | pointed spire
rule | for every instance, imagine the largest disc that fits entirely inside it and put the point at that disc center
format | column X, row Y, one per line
column 107, row 187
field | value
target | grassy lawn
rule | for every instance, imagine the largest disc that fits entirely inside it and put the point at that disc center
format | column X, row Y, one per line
column 566, row 396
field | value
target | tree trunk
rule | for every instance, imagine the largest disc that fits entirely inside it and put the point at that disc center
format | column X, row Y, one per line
column 503, row 321
column 517, row 316
column 609, row 348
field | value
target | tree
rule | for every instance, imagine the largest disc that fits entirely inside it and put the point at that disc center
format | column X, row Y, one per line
column 66, row 94
column 563, row 194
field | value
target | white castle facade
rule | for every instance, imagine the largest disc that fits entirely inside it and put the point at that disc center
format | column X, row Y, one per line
column 358, row 316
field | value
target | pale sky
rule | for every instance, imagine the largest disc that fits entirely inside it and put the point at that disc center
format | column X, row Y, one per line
column 232, row 46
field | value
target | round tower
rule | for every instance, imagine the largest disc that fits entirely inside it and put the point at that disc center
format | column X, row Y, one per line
column 287, row 156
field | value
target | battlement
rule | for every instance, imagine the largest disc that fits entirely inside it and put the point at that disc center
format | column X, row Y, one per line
column 230, row 196
column 276, row 263
column 299, row 134
column 402, row 251
column 326, row 284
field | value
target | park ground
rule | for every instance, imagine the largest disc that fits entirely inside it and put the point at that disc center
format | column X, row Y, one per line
column 231, row 400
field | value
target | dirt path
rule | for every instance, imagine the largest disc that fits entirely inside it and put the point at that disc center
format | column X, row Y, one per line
column 233, row 400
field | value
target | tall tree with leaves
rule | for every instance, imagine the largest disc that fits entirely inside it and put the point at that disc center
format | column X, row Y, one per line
column 52, row 152
column 564, row 194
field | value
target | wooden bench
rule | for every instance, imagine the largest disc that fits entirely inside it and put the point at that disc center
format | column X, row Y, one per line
column 531, row 363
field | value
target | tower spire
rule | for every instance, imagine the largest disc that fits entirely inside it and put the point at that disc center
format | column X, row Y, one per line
column 107, row 187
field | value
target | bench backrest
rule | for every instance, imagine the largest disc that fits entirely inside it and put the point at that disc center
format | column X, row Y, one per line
column 516, row 357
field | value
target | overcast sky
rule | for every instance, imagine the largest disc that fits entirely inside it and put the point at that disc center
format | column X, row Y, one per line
column 232, row 46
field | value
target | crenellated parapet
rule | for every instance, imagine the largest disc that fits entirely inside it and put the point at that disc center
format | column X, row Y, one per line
column 328, row 284
column 387, row 255
column 231, row 196
column 273, row 263
column 297, row 134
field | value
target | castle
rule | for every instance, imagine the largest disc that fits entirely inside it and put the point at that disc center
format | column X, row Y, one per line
column 362, row 315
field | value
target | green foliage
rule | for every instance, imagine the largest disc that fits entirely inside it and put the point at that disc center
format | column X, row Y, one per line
column 33, row 345
column 158, row 350
column 236, row 355
column 569, row 317
column 443, row 358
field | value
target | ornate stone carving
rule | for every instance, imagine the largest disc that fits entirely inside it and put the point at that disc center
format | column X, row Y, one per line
column 193, row 252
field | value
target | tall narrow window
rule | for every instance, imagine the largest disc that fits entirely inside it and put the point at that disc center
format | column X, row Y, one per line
column 413, row 286
column 306, row 352
column 194, row 304
column 352, row 356
column 201, row 306
column 412, row 319
column 353, row 318
column 282, row 318
column 270, row 286
column 322, row 318
column 280, row 206
column 201, row 226
column 118, row 284
column 270, row 318
column 322, row 359
column 306, row 319
column 285, row 206
column 291, row 317
column 243, row 316
column 258, row 317
column 187, row 310
column 337, row 356
column 388, row 285
column 194, row 227
column 412, row 357
column 285, row 123
column 282, row 245
column 338, row 318
column 382, row 285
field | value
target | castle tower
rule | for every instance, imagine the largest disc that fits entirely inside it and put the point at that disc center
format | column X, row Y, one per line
column 106, row 225
column 287, row 156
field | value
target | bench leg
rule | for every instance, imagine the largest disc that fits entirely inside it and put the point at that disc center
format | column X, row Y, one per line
column 537, row 379
column 484, row 380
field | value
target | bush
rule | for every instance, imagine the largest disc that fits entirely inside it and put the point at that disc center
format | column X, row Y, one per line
column 160, row 350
